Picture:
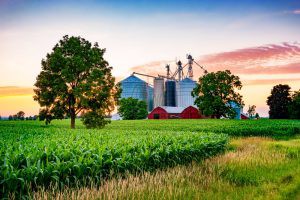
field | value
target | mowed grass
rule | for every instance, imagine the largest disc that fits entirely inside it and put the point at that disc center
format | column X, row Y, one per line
column 252, row 168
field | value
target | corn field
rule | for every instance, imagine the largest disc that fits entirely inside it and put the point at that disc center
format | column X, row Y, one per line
column 44, row 157
column 34, row 156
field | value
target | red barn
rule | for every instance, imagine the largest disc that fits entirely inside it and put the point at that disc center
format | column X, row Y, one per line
column 190, row 113
column 166, row 112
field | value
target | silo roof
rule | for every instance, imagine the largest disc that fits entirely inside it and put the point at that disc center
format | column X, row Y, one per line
column 234, row 104
column 133, row 78
column 187, row 80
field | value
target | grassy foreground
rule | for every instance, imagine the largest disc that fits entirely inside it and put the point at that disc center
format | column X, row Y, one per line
column 253, row 168
column 151, row 159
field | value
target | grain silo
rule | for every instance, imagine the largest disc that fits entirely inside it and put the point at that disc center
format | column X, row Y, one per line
column 237, row 107
column 159, row 92
column 184, row 90
column 150, row 98
column 170, row 98
column 134, row 87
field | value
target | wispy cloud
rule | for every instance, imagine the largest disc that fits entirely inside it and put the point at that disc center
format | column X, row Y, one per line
column 268, row 59
column 15, row 91
column 296, row 12
column 282, row 58
column 270, row 81
column 292, row 12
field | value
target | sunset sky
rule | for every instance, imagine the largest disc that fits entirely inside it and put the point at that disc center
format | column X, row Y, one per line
column 259, row 40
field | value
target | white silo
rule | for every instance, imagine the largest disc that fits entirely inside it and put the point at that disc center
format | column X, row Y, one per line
column 184, row 90
column 159, row 92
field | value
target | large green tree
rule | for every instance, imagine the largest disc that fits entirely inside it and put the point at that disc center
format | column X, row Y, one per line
column 279, row 101
column 131, row 108
column 294, row 107
column 74, row 78
column 216, row 96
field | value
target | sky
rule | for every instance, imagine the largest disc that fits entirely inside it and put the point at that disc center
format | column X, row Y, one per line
column 258, row 40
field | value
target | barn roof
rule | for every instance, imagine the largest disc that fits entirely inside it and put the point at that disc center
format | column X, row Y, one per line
column 170, row 109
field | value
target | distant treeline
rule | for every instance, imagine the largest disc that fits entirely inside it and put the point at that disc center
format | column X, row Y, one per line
column 20, row 116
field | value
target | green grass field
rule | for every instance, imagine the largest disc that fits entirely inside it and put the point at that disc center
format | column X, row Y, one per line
column 148, row 159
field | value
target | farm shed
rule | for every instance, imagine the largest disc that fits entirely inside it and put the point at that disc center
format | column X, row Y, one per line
column 244, row 116
column 116, row 116
column 190, row 112
column 165, row 112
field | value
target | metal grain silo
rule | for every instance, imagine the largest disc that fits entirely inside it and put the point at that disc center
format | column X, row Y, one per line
column 150, row 98
column 134, row 87
column 237, row 107
column 159, row 92
column 170, row 98
column 184, row 90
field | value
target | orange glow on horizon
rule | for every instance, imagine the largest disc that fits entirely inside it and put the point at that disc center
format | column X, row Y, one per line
column 10, row 105
column 253, row 94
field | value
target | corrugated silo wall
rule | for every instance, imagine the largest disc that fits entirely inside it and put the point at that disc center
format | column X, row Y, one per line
column 134, row 89
column 238, row 113
column 184, row 97
column 159, row 92
column 150, row 98
column 170, row 98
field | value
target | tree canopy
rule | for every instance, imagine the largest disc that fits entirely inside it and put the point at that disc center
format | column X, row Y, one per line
column 279, row 101
column 294, row 107
column 251, row 111
column 74, row 78
column 131, row 108
column 20, row 115
column 216, row 96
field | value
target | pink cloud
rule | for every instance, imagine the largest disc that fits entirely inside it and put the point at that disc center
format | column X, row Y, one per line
column 268, row 59
column 296, row 12
column 270, row 81
column 152, row 68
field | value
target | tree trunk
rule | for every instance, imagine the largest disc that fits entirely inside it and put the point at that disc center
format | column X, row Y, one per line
column 72, row 122
column 72, row 110
column 73, row 117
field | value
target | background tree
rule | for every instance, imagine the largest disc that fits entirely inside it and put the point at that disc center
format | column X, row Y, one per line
column 15, row 117
column 131, row 108
column 251, row 111
column 10, row 117
column 257, row 116
column 20, row 115
column 215, row 94
column 35, row 117
column 45, row 115
column 279, row 101
column 294, row 107
column 75, row 77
